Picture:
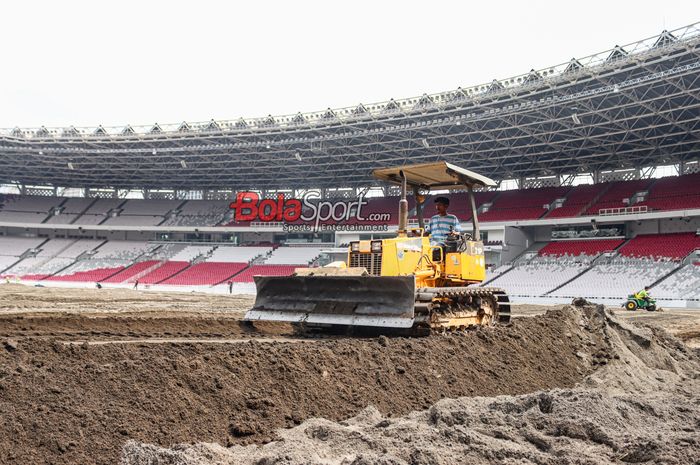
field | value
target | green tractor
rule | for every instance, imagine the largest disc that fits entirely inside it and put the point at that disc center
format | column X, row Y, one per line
column 633, row 303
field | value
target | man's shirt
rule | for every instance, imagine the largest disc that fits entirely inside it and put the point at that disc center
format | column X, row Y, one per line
column 439, row 227
column 642, row 294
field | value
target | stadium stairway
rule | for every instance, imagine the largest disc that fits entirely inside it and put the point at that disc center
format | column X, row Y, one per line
column 21, row 257
column 50, row 213
column 595, row 199
column 486, row 283
column 674, row 271
column 76, row 259
column 166, row 217
column 88, row 207
column 128, row 270
column 120, row 206
column 519, row 260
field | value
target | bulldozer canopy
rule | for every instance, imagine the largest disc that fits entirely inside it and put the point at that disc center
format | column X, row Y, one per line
column 434, row 176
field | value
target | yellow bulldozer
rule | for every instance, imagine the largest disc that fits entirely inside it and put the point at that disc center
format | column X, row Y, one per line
column 404, row 283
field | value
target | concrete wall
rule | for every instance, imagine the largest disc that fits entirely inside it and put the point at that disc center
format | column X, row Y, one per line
column 517, row 240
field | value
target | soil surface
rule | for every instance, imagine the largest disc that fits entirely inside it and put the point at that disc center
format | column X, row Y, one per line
column 640, row 405
column 84, row 372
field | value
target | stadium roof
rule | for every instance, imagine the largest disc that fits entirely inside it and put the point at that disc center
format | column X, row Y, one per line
column 631, row 106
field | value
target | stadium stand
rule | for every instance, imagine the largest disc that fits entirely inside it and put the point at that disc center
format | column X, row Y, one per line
column 293, row 255
column 149, row 207
column 163, row 272
column 460, row 205
column 85, row 271
column 674, row 246
column 53, row 256
column 616, row 279
column 132, row 273
column 264, row 270
column 134, row 220
column 494, row 272
column 12, row 245
column 683, row 284
column 110, row 258
column 191, row 252
column 32, row 204
column 674, row 193
column 237, row 254
column 103, row 206
column 527, row 204
column 615, row 193
column 76, row 205
column 89, row 220
column 206, row 273
column 199, row 213
column 538, row 276
column 576, row 201
column 12, row 248
column 22, row 217
column 122, row 250
column 580, row 247
column 61, row 218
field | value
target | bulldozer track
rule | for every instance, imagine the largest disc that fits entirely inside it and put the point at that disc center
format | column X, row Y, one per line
column 427, row 296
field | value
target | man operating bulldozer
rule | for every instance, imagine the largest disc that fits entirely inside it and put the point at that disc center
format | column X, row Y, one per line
column 443, row 224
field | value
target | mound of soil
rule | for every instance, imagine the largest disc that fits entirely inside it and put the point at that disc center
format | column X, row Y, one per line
column 642, row 405
column 79, row 404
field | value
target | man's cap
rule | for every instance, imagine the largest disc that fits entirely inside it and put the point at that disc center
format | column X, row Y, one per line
column 443, row 200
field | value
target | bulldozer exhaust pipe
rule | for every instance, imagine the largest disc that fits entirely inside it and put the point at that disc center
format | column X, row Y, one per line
column 403, row 207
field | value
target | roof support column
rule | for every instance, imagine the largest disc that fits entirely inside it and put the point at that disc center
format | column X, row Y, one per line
column 475, row 221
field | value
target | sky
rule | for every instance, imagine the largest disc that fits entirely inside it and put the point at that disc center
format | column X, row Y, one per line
column 85, row 63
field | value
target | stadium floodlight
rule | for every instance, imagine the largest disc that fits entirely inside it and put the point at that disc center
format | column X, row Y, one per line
column 574, row 117
column 425, row 143
column 183, row 163
column 154, row 151
column 70, row 166
column 267, row 146
column 297, row 155
column 616, row 88
column 41, row 152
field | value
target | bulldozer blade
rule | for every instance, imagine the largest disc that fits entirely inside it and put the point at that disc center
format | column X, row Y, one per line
column 383, row 301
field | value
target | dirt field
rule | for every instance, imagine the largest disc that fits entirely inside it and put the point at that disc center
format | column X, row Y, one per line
column 94, row 376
